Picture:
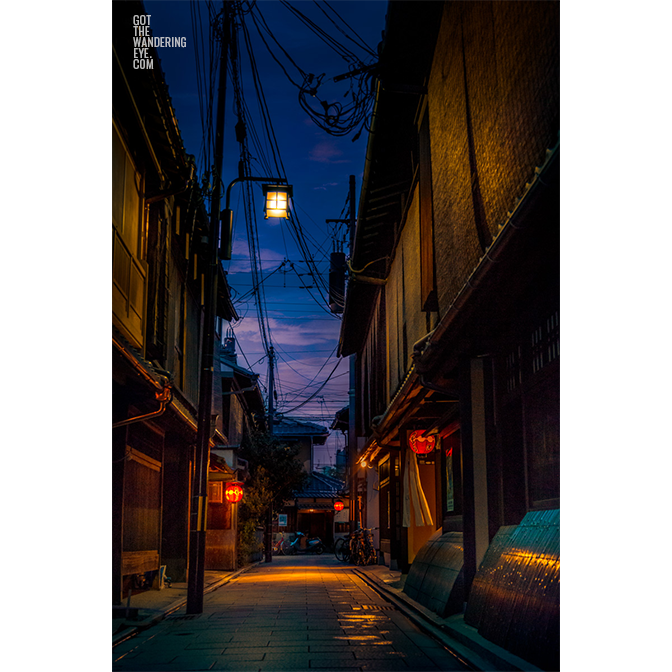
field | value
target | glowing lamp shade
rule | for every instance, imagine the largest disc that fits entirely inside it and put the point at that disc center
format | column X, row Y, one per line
column 233, row 492
column 338, row 505
column 276, row 197
column 421, row 444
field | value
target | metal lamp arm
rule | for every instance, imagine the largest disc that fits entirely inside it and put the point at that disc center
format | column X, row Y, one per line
column 250, row 179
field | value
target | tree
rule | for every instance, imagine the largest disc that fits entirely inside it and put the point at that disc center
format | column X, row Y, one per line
column 337, row 471
column 275, row 473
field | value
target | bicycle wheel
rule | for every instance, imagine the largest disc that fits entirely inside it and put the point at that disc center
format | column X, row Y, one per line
column 345, row 550
column 286, row 548
column 339, row 548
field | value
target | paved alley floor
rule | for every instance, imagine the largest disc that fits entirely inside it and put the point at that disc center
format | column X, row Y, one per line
column 296, row 613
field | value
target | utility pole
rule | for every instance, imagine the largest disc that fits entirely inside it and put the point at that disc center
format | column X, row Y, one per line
column 197, row 525
column 268, row 542
column 271, row 388
column 352, row 399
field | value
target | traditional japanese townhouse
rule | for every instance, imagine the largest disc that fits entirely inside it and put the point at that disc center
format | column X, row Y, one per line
column 240, row 409
column 312, row 510
column 158, row 220
column 304, row 434
column 452, row 314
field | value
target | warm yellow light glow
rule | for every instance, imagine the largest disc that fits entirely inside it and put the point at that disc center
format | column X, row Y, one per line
column 301, row 576
column 277, row 201
column 528, row 557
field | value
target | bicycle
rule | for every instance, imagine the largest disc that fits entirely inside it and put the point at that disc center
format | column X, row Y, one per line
column 286, row 548
column 357, row 547
column 369, row 553
column 342, row 549
column 280, row 546
column 362, row 550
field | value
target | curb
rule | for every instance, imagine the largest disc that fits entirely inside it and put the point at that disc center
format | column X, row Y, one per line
column 469, row 647
column 153, row 620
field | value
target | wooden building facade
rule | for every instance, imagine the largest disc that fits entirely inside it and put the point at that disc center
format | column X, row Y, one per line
column 452, row 305
column 240, row 410
column 158, row 220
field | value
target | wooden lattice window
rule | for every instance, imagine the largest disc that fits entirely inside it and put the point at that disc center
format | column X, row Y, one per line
column 546, row 342
column 216, row 492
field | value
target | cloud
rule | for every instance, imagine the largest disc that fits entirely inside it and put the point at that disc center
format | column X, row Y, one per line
column 299, row 373
column 301, row 378
column 324, row 186
column 327, row 152
column 303, row 332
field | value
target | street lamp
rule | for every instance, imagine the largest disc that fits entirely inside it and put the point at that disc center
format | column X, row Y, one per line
column 276, row 197
column 276, row 204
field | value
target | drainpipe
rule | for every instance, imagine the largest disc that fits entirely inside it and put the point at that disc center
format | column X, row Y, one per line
column 437, row 388
column 164, row 397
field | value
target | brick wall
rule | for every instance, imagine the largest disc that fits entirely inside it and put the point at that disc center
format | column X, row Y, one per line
column 493, row 111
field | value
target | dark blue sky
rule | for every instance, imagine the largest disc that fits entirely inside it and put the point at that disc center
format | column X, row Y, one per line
column 317, row 164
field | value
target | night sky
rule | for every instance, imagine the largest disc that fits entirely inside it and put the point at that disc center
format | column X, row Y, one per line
column 318, row 165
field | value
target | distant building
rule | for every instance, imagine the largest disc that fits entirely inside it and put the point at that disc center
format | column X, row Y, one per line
column 304, row 434
column 452, row 315
column 312, row 510
column 239, row 407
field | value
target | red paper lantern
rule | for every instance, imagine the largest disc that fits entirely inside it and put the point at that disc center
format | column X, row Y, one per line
column 338, row 505
column 421, row 444
column 233, row 492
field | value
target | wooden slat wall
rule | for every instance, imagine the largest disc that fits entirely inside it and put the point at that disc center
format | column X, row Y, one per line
column 139, row 562
column 142, row 504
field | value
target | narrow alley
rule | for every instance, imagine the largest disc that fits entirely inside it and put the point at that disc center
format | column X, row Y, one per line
column 296, row 613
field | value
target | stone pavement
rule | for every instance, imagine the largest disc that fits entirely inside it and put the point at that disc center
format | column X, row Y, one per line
column 153, row 605
column 464, row 640
column 296, row 613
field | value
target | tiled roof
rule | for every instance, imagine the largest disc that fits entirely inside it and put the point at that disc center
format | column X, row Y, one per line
column 320, row 485
column 152, row 372
column 341, row 420
column 290, row 428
